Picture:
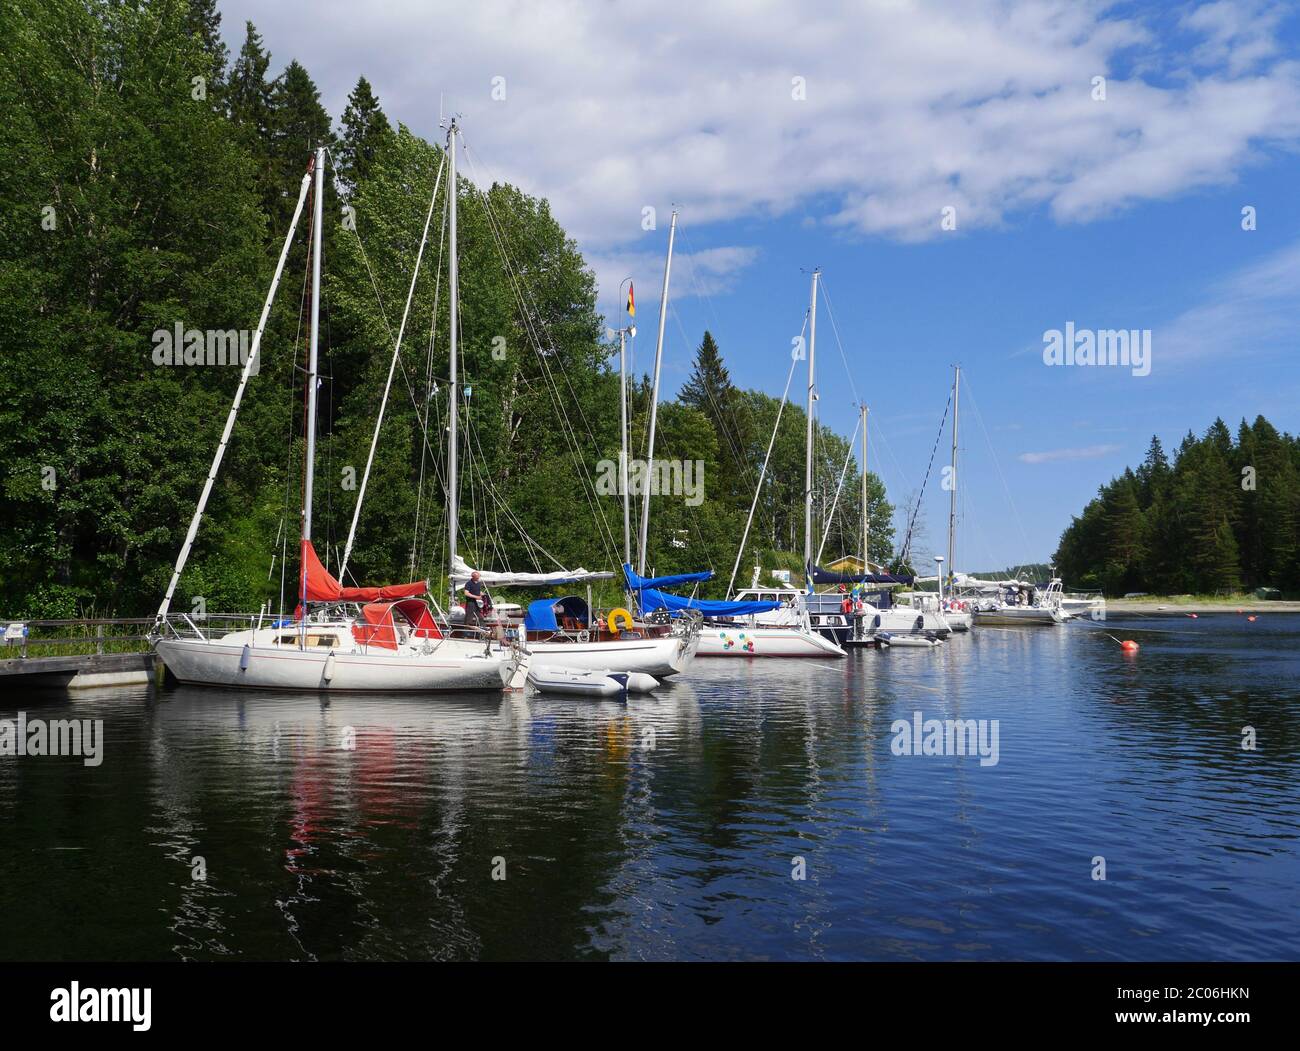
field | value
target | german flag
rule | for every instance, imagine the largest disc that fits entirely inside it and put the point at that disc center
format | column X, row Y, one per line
column 631, row 301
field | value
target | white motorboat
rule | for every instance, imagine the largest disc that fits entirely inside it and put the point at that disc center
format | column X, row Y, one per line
column 1084, row 604
column 1025, row 604
column 552, row 678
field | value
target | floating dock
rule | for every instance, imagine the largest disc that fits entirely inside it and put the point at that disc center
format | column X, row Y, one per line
column 78, row 671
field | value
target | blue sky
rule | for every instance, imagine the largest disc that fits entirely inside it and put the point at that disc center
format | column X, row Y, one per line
column 1123, row 212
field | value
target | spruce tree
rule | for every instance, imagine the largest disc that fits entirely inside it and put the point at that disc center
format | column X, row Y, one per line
column 204, row 22
column 364, row 125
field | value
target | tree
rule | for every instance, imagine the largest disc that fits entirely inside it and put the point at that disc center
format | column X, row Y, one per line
column 150, row 224
column 203, row 22
column 364, row 126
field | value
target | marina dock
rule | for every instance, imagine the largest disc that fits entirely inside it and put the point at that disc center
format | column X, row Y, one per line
column 45, row 653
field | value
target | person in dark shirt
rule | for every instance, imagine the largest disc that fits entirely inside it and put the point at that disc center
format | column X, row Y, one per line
column 474, row 600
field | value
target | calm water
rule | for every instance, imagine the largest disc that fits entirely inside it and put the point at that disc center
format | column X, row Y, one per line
column 666, row 829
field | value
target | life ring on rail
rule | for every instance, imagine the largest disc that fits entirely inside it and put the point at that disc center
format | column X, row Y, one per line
column 616, row 615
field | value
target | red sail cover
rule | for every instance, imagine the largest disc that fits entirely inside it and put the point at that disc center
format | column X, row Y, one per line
column 317, row 585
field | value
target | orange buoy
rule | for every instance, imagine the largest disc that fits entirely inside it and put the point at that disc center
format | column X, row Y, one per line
column 1128, row 645
column 1193, row 615
column 1251, row 619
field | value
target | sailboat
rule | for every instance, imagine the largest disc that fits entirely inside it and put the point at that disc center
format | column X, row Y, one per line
column 735, row 628
column 1016, row 602
column 341, row 639
column 564, row 633
column 954, row 611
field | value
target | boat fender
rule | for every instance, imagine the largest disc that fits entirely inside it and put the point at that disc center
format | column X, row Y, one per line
column 328, row 674
column 245, row 658
column 875, row 623
column 617, row 615
column 920, row 623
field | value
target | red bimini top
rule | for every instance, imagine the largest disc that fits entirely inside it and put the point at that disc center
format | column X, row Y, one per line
column 380, row 629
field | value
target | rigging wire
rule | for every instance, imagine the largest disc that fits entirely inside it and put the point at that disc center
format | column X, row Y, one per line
column 533, row 324
column 906, row 550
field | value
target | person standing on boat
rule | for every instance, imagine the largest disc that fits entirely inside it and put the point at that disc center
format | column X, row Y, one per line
column 475, row 600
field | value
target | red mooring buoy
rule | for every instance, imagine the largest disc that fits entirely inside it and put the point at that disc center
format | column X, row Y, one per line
column 1129, row 645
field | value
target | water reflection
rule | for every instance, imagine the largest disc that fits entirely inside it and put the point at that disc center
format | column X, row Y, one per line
column 671, row 826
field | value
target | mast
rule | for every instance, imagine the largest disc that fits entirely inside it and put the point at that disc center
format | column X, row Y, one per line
column 309, row 467
column 622, row 453
column 453, row 289
column 808, row 447
column 866, row 517
column 654, row 398
column 952, row 505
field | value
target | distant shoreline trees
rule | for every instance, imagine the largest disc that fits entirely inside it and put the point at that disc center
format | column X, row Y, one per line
column 1223, row 516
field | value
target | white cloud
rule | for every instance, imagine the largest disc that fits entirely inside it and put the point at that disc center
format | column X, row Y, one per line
column 911, row 105
column 1254, row 310
column 708, row 272
column 1088, row 452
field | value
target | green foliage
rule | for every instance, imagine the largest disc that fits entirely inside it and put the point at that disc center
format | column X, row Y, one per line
column 1222, row 517
column 128, row 206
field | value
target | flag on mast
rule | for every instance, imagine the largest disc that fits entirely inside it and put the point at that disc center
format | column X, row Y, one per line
column 631, row 301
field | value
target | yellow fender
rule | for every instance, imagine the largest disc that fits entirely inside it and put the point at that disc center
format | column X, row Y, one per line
column 616, row 615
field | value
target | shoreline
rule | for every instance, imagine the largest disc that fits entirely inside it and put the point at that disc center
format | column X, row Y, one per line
column 1171, row 606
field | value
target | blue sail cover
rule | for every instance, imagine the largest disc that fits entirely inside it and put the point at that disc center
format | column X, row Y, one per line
column 542, row 613
column 651, row 600
column 636, row 583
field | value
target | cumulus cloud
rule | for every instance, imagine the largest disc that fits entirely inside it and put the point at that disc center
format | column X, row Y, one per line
column 908, row 107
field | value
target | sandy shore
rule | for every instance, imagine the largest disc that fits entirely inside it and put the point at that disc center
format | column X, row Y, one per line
column 1180, row 606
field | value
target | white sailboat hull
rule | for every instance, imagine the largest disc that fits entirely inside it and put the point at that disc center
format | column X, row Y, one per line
column 958, row 620
column 1027, row 615
column 764, row 641
column 667, row 655
column 902, row 619
column 453, row 666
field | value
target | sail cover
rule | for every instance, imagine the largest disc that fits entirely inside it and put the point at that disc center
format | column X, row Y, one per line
column 825, row 576
column 651, row 600
column 636, row 583
column 316, row 584
column 461, row 570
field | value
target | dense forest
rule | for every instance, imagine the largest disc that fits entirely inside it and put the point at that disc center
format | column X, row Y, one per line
column 1222, row 517
column 147, row 180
